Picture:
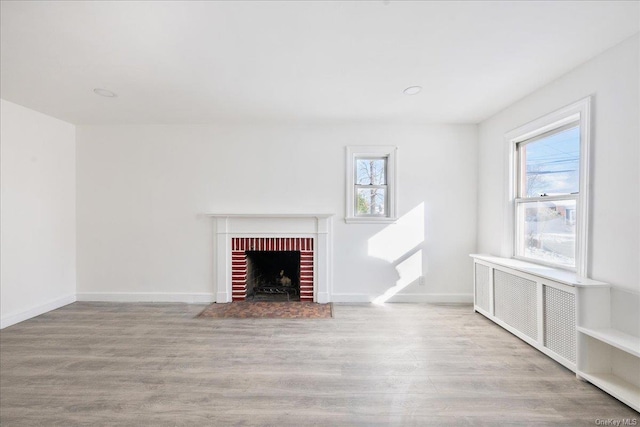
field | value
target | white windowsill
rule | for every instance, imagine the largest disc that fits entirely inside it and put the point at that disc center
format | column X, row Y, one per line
column 370, row 220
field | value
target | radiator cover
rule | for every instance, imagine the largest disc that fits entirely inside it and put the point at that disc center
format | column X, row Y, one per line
column 515, row 300
column 483, row 284
column 560, row 322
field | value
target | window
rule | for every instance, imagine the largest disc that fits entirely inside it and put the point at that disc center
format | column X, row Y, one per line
column 371, row 184
column 550, row 180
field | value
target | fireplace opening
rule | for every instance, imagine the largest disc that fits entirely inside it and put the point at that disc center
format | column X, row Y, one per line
column 273, row 275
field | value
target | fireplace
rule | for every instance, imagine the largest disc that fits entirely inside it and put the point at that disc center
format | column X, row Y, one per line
column 281, row 267
column 239, row 237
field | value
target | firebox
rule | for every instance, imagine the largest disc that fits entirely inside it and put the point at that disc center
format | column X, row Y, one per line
column 273, row 276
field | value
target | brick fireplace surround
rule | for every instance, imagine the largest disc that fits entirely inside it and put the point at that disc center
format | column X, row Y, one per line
column 237, row 233
column 239, row 246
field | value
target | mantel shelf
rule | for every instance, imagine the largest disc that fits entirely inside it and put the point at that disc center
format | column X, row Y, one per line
column 270, row 215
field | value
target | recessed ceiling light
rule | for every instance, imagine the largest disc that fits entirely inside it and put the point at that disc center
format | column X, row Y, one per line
column 412, row 90
column 104, row 92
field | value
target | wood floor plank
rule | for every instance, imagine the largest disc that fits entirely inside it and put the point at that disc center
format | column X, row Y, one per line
column 119, row 364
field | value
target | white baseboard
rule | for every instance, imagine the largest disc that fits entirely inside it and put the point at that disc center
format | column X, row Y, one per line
column 434, row 298
column 195, row 298
column 417, row 298
column 12, row 319
column 351, row 298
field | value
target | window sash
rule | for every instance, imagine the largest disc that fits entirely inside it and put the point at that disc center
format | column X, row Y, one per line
column 367, row 158
column 547, row 198
column 371, row 187
column 573, row 124
column 521, row 166
column 520, row 230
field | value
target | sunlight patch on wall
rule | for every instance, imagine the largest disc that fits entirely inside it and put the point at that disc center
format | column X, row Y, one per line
column 409, row 271
column 396, row 240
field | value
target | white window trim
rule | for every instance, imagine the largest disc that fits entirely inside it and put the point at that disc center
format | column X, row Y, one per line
column 388, row 151
column 582, row 110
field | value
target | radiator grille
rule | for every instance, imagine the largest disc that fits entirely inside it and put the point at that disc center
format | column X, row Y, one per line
column 482, row 286
column 515, row 302
column 560, row 322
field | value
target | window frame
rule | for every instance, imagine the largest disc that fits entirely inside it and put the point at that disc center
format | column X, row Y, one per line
column 355, row 153
column 579, row 112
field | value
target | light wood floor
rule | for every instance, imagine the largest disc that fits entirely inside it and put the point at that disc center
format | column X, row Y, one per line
column 111, row 364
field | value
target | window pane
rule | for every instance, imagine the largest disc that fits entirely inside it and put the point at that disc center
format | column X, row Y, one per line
column 370, row 201
column 371, row 171
column 548, row 231
column 550, row 165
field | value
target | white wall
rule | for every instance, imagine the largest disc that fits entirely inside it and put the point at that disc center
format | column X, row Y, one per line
column 38, row 245
column 613, row 80
column 142, row 191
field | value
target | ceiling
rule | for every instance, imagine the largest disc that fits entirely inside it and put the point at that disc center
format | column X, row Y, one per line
column 267, row 61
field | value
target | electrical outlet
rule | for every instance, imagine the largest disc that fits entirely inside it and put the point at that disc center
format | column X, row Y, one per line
column 421, row 280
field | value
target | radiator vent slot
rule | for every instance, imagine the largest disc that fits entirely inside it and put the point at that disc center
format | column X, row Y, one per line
column 482, row 286
column 560, row 322
column 515, row 302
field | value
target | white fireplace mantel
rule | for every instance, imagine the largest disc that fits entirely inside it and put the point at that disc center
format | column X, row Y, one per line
column 315, row 225
column 272, row 215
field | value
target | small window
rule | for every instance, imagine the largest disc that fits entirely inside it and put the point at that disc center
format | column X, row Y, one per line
column 550, row 181
column 371, row 184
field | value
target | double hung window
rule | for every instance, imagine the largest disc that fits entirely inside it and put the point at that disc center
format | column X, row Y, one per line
column 550, row 174
column 371, row 184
